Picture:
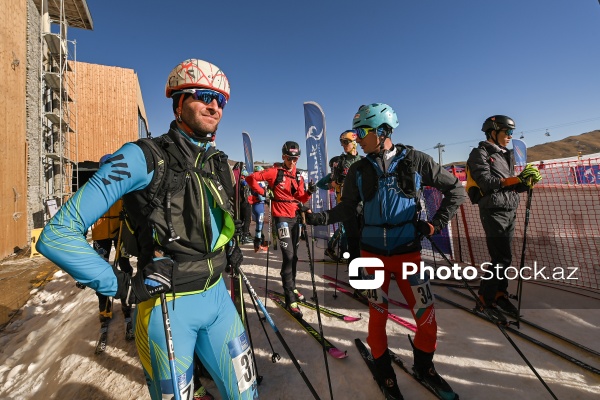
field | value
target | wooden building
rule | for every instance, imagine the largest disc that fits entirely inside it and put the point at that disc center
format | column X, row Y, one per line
column 58, row 116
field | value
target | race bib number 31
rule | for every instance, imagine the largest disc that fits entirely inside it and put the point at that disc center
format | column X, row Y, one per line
column 241, row 356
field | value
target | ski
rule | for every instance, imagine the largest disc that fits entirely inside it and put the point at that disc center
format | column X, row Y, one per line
column 330, row 348
column 326, row 261
column 538, row 327
column 102, row 339
column 452, row 285
column 399, row 362
column 324, row 310
column 390, row 300
column 362, row 299
column 129, row 335
column 368, row 358
column 524, row 336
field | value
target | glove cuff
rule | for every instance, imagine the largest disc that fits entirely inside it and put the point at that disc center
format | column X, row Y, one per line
column 138, row 291
column 515, row 180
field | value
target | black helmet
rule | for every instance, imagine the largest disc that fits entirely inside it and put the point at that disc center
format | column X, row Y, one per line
column 291, row 149
column 333, row 161
column 497, row 123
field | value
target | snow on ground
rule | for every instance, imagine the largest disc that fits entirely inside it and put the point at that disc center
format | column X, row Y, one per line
column 48, row 353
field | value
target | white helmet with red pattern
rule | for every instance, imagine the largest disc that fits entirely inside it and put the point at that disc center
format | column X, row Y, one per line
column 194, row 73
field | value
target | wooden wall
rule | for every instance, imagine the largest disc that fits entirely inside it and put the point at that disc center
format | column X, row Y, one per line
column 13, row 153
column 107, row 109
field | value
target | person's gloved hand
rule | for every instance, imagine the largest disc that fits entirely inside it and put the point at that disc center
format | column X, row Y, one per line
column 153, row 279
column 319, row 218
column 311, row 187
column 234, row 256
column 428, row 229
column 530, row 175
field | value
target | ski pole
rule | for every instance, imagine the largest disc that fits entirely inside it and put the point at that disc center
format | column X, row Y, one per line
column 274, row 355
column 259, row 378
column 269, row 247
column 170, row 347
column 316, row 299
column 279, row 336
column 522, row 265
column 486, row 312
column 337, row 261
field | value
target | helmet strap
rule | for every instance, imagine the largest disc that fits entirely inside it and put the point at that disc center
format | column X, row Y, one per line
column 495, row 138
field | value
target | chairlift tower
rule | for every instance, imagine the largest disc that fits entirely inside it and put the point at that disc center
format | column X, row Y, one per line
column 440, row 148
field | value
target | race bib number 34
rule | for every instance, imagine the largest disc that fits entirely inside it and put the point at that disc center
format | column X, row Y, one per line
column 241, row 356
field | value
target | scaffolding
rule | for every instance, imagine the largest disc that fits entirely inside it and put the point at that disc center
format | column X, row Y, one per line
column 58, row 125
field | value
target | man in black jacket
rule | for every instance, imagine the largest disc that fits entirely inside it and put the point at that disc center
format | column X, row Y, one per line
column 491, row 166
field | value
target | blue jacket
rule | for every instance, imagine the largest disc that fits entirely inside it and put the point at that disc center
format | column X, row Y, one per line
column 391, row 198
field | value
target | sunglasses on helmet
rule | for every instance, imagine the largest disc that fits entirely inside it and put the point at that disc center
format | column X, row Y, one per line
column 206, row 96
column 291, row 158
column 509, row 132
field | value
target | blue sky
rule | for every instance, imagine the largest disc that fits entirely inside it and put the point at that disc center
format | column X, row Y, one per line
column 444, row 66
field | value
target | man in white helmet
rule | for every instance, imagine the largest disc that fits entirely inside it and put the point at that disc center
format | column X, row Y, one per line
column 178, row 190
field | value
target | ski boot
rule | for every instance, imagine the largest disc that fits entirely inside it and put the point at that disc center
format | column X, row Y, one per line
column 260, row 246
column 329, row 252
column 425, row 372
column 490, row 311
column 105, row 316
column 291, row 305
column 203, row 394
column 246, row 238
column 298, row 295
column 386, row 377
column 505, row 305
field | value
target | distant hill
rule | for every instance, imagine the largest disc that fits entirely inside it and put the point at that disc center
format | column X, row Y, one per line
column 587, row 143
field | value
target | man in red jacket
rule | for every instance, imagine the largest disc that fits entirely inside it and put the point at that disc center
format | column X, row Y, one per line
column 287, row 186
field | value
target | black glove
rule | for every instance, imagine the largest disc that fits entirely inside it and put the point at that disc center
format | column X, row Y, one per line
column 316, row 218
column 311, row 187
column 234, row 256
column 153, row 279
column 425, row 228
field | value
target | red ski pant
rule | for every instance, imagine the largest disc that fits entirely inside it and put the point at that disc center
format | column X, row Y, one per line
column 417, row 294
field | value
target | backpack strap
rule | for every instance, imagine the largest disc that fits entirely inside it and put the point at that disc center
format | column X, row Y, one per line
column 170, row 173
column 279, row 179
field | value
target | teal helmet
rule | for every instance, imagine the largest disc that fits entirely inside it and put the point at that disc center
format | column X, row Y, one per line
column 375, row 115
column 258, row 168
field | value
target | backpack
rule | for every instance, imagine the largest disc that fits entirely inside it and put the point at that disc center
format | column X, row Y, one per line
column 171, row 172
column 279, row 179
column 473, row 191
column 405, row 175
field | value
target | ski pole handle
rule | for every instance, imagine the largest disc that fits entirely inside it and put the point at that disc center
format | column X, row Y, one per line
column 170, row 347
